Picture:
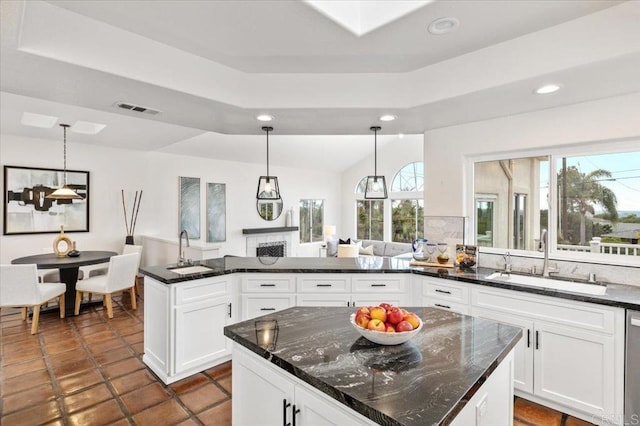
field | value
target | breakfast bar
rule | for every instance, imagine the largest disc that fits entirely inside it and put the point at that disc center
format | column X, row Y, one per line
column 306, row 364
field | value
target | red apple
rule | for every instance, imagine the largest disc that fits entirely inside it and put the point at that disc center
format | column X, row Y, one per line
column 389, row 328
column 379, row 313
column 412, row 319
column 376, row 325
column 404, row 326
column 362, row 310
column 386, row 306
column 363, row 320
column 394, row 315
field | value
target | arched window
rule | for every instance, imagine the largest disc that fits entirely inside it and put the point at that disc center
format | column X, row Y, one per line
column 407, row 205
column 409, row 178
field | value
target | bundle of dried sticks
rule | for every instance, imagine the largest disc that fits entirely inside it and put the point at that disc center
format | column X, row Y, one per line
column 131, row 226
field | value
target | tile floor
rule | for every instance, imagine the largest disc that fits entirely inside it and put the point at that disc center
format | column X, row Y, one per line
column 88, row 370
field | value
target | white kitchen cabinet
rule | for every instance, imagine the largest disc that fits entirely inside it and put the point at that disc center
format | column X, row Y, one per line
column 444, row 294
column 184, row 333
column 572, row 354
column 272, row 397
column 351, row 290
column 266, row 293
column 523, row 352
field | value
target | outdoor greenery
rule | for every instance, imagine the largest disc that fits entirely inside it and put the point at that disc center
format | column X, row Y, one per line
column 407, row 220
column 579, row 193
column 311, row 220
column 370, row 214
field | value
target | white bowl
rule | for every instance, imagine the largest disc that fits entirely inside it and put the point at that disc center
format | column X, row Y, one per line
column 382, row 337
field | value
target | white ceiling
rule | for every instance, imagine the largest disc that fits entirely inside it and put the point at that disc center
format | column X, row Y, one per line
column 212, row 66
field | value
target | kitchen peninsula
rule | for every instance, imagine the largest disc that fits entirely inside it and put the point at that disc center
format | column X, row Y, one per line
column 309, row 364
column 183, row 304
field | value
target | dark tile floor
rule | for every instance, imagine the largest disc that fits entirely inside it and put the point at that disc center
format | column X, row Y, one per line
column 88, row 370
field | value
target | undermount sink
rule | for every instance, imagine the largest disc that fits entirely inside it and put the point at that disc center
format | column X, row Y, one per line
column 549, row 283
column 186, row 270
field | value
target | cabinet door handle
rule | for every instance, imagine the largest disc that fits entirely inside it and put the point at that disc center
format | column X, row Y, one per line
column 267, row 285
column 285, row 405
column 442, row 291
column 295, row 412
column 537, row 340
column 528, row 338
column 324, row 285
column 267, row 309
column 442, row 306
column 378, row 285
column 229, row 310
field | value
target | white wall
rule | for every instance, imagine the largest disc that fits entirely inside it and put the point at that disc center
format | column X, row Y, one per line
column 446, row 149
column 157, row 174
column 391, row 158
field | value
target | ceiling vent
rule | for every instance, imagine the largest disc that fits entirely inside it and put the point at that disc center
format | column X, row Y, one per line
column 137, row 108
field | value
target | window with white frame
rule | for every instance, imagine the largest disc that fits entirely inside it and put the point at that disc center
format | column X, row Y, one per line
column 311, row 220
column 369, row 215
column 407, row 204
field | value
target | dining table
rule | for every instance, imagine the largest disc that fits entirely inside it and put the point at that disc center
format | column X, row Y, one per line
column 68, row 267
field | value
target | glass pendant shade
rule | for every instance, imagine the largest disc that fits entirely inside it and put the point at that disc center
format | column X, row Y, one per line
column 376, row 187
column 268, row 188
column 65, row 192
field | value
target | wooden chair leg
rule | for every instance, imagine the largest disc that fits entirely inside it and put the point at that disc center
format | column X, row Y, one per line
column 61, row 304
column 34, row 320
column 78, row 300
column 107, row 300
column 134, row 306
column 23, row 312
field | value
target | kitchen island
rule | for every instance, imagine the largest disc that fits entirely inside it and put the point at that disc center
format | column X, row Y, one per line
column 306, row 365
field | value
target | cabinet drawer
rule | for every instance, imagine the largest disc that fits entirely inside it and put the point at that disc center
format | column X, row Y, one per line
column 446, row 291
column 338, row 283
column 268, row 283
column 447, row 305
column 257, row 305
column 577, row 314
column 202, row 289
column 378, row 284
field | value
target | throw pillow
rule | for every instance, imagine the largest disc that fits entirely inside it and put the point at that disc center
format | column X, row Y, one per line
column 366, row 250
column 347, row 241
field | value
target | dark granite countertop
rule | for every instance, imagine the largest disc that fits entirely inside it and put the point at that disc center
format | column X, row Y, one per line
column 619, row 295
column 425, row 381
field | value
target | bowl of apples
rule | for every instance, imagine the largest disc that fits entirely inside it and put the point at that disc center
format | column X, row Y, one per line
column 386, row 324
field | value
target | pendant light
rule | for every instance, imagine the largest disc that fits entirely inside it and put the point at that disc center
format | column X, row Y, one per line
column 64, row 193
column 376, row 188
column 268, row 188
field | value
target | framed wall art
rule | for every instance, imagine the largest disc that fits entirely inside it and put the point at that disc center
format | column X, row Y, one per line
column 216, row 212
column 27, row 210
column 190, row 206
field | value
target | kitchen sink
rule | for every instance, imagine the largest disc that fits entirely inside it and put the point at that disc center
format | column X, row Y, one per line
column 186, row 270
column 549, row 283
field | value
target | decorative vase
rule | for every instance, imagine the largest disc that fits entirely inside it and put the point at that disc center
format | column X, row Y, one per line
column 74, row 252
column 129, row 240
column 59, row 248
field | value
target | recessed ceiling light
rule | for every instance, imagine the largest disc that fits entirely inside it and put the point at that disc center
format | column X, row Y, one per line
column 38, row 120
column 546, row 89
column 400, row 135
column 387, row 117
column 265, row 117
column 87, row 128
column 443, row 26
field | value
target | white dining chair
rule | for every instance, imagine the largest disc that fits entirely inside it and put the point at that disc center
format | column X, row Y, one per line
column 128, row 248
column 120, row 276
column 19, row 287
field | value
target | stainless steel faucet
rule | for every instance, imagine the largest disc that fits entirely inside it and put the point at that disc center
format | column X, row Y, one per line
column 507, row 264
column 181, row 259
column 544, row 247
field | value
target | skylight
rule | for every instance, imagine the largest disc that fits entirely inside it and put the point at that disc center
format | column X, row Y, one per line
column 363, row 16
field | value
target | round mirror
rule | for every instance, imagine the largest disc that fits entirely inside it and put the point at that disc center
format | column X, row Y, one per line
column 269, row 209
